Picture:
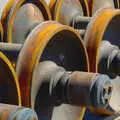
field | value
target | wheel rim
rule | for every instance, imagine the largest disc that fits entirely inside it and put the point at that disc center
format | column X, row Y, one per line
column 103, row 21
column 53, row 31
column 39, row 3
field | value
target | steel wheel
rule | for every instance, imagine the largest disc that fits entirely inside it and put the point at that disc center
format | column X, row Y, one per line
column 103, row 26
column 39, row 3
column 95, row 5
column 55, row 42
column 6, row 10
column 64, row 10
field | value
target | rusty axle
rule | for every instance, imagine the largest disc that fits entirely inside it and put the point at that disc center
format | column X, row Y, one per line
column 75, row 88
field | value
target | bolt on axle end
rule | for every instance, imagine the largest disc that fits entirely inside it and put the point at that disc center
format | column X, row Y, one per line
column 100, row 91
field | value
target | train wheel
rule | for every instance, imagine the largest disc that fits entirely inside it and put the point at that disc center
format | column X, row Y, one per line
column 54, row 42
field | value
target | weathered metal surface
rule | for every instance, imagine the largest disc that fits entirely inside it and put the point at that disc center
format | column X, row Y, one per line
column 84, row 85
column 64, row 41
column 5, row 6
column 53, row 82
column 103, row 26
column 12, row 112
column 16, row 7
column 64, row 10
column 95, row 5
column 8, row 83
column 27, row 18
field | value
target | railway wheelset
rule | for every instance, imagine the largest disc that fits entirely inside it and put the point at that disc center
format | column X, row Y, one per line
column 60, row 59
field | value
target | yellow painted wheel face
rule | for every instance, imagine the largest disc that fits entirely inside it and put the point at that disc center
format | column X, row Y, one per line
column 64, row 10
column 8, row 83
column 39, row 3
column 6, row 9
column 84, row 4
column 1, row 32
column 95, row 5
column 103, row 26
column 49, row 41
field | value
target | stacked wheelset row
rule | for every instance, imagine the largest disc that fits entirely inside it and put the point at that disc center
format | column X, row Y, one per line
column 44, row 85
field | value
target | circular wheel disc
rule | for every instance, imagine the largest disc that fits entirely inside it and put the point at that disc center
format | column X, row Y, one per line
column 64, row 10
column 6, row 6
column 56, row 6
column 27, row 18
column 57, row 43
column 103, row 26
column 9, row 87
column 39, row 3
column 95, row 5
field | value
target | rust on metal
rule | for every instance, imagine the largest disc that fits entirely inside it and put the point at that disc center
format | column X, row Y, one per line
column 80, row 79
column 95, row 5
column 64, row 10
column 13, row 12
column 33, row 52
column 27, row 18
column 99, row 29
column 6, row 10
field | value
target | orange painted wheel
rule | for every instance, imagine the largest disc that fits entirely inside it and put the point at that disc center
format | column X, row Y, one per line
column 39, row 3
column 1, row 32
column 6, row 10
column 55, row 42
column 64, row 10
column 95, row 5
column 8, row 83
column 103, row 26
column 27, row 18
column 52, row 3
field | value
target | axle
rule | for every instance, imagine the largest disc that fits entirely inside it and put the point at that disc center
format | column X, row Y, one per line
column 109, row 59
column 75, row 88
